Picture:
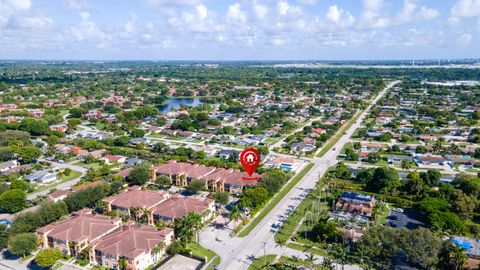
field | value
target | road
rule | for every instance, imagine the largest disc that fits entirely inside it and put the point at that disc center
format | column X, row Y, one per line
column 63, row 185
column 235, row 251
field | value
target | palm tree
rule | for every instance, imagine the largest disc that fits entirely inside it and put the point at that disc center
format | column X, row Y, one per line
column 72, row 245
column 295, row 258
column 327, row 263
column 195, row 220
column 234, row 214
column 406, row 165
column 158, row 248
column 122, row 263
column 281, row 243
column 458, row 257
column 310, row 258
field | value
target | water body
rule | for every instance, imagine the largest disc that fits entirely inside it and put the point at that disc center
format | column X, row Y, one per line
column 174, row 103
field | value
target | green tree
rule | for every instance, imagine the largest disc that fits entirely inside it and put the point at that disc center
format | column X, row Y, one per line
column 74, row 122
column 273, row 181
column 406, row 165
column 34, row 126
column 22, row 244
column 137, row 133
column 255, row 195
column 325, row 230
column 222, row 197
column 383, row 180
column 13, row 200
column 196, row 186
column 139, row 175
column 3, row 236
column 48, row 257
column 351, row 154
column 29, row 153
column 123, row 263
column 20, row 184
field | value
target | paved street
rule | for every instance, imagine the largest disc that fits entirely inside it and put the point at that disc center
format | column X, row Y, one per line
column 235, row 251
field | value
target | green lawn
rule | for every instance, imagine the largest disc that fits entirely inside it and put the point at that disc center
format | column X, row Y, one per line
column 74, row 174
column 259, row 263
column 89, row 165
column 275, row 200
column 202, row 252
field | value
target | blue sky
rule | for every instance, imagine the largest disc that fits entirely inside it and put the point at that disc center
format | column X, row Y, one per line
column 239, row 30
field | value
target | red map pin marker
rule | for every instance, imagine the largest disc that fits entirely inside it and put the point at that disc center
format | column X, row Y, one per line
column 250, row 158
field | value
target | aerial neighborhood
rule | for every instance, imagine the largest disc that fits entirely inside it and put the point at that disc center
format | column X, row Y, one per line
column 136, row 166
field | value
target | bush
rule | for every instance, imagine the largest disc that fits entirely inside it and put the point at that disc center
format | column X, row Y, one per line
column 48, row 257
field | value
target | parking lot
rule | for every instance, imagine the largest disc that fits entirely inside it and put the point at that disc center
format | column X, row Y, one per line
column 407, row 219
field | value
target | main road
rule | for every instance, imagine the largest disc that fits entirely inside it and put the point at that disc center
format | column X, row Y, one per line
column 235, row 251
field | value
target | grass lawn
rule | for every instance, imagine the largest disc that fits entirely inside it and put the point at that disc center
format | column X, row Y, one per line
column 89, row 165
column 259, row 263
column 332, row 141
column 74, row 174
column 275, row 200
column 200, row 251
column 288, row 227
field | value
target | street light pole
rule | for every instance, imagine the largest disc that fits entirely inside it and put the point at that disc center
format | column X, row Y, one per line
column 264, row 253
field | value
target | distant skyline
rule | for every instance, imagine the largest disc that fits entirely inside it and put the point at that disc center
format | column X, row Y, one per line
column 239, row 30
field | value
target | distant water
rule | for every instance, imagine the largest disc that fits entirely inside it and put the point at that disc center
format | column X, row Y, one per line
column 174, row 103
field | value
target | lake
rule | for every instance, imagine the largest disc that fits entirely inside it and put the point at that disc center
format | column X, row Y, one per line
column 174, row 103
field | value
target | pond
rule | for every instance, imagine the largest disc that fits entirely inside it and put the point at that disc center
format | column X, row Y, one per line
column 174, row 103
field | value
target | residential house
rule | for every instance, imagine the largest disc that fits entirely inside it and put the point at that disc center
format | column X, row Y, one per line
column 135, row 243
column 58, row 195
column 355, row 203
column 179, row 207
column 398, row 158
column 136, row 199
column 109, row 159
column 215, row 178
column 430, row 159
column 77, row 232
column 8, row 165
column 471, row 247
column 43, row 176
column 62, row 128
column 94, row 114
column 302, row 147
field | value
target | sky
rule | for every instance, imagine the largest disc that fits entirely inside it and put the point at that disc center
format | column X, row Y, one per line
column 239, row 29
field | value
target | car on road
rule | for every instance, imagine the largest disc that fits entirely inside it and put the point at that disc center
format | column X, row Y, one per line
column 334, row 148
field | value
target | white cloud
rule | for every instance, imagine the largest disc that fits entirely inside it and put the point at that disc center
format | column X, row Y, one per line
column 77, row 5
column 308, row 2
column 465, row 39
column 466, row 8
column 260, row 11
column 339, row 17
column 35, row 22
column 286, row 9
column 371, row 17
column 19, row 4
column 170, row 2
column 235, row 15
column 411, row 13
